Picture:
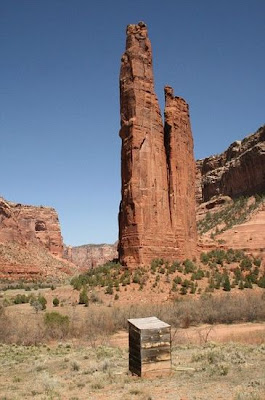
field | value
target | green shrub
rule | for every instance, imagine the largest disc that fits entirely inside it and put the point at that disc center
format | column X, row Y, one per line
column 21, row 299
column 261, row 282
column 56, row 324
column 39, row 303
column 246, row 264
column 226, row 284
column 257, row 262
column 189, row 267
column 183, row 290
column 204, row 257
column 109, row 289
column 83, row 297
column 56, row 302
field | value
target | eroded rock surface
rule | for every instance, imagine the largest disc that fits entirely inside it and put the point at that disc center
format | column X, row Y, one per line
column 30, row 224
column 31, row 246
column 150, row 224
column 240, row 170
column 91, row 255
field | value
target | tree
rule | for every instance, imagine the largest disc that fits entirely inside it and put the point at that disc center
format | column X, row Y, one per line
column 226, row 284
column 83, row 297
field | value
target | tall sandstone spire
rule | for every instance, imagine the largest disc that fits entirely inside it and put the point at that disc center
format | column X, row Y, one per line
column 156, row 216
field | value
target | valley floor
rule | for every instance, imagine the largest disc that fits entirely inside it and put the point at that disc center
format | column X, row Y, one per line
column 225, row 362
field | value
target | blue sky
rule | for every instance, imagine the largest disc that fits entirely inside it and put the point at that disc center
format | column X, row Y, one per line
column 59, row 95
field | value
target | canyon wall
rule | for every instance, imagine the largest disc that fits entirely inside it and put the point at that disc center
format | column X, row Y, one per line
column 154, row 220
column 238, row 171
column 30, row 224
column 91, row 255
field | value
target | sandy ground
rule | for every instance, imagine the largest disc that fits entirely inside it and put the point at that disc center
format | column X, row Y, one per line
column 77, row 371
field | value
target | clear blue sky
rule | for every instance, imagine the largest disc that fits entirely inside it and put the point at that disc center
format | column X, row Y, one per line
column 59, row 111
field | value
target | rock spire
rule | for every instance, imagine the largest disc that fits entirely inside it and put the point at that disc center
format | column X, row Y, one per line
column 157, row 210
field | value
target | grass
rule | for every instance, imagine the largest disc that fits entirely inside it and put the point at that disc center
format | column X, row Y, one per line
column 97, row 322
column 223, row 371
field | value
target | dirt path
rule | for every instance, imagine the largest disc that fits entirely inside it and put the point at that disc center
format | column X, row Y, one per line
column 249, row 333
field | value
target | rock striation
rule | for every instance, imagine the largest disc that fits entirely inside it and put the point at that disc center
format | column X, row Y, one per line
column 30, row 224
column 157, row 210
column 238, row 171
column 91, row 255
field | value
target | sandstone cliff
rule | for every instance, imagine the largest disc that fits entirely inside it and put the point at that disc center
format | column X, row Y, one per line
column 37, row 225
column 30, row 243
column 154, row 221
column 181, row 172
column 240, row 170
column 91, row 255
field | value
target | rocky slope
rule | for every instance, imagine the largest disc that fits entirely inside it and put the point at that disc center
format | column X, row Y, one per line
column 30, row 224
column 157, row 210
column 31, row 245
column 240, row 170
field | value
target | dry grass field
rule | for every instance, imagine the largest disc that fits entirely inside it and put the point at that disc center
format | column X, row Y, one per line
column 76, row 370
column 85, row 356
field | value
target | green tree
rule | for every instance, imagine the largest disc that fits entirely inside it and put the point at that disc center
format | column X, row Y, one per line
column 226, row 284
column 83, row 297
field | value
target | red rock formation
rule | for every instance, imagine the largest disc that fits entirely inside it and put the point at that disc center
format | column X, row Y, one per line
column 31, row 243
column 198, row 182
column 30, row 224
column 91, row 255
column 147, row 227
column 181, row 173
column 240, row 170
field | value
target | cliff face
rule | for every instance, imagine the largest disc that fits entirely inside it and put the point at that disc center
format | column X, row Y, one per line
column 150, row 222
column 31, row 243
column 91, row 255
column 240, row 170
column 181, row 172
column 29, row 224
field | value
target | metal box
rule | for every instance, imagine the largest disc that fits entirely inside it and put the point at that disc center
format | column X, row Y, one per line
column 149, row 347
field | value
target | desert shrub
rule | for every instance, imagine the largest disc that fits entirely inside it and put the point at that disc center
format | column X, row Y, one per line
column 177, row 280
column 241, row 285
column 38, row 303
column 42, row 301
column 226, row 284
column 189, row 266
column 109, row 289
column 83, row 297
column 183, row 290
column 173, row 267
column 246, row 264
column 56, row 324
column 257, row 262
column 156, row 263
column 198, row 275
column 261, row 282
column 204, row 257
column 56, row 302
column 21, row 299
column 94, row 298
column 136, row 278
